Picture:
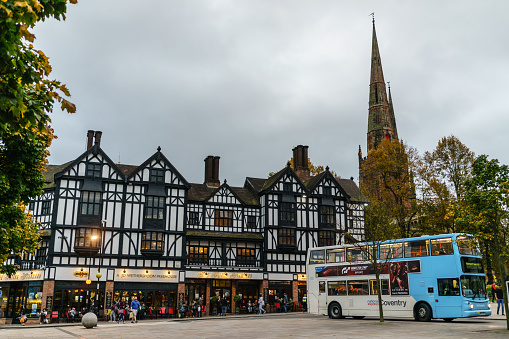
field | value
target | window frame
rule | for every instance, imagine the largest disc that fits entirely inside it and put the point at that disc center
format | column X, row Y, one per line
column 83, row 241
column 246, row 257
column 408, row 249
column 194, row 218
column 286, row 237
column 287, row 213
column 326, row 216
column 223, row 218
column 157, row 175
column 196, row 257
column 326, row 238
column 154, row 240
column 46, row 207
column 90, row 201
column 251, row 222
column 152, row 207
column 93, row 170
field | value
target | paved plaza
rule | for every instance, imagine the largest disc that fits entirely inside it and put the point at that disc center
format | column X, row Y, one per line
column 290, row 325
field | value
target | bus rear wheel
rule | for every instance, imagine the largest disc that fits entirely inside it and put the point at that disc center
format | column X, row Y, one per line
column 422, row 312
column 335, row 311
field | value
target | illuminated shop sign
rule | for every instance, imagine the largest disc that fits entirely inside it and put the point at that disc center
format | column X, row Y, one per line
column 224, row 275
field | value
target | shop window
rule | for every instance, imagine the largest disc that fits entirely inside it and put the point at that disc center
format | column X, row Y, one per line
column 156, row 175
column 93, row 170
column 223, row 218
column 246, row 257
column 327, row 216
column 198, row 255
column 287, row 213
column 326, row 238
column 46, row 207
column 154, row 207
column 251, row 222
column 87, row 240
column 91, row 203
column 286, row 237
column 194, row 218
column 152, row 243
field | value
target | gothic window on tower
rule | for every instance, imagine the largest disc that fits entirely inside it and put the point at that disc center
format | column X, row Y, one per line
column 93, row 170
column 223, row 218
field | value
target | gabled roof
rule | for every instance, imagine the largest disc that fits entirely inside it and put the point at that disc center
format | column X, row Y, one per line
column 49, row 174
column 351, row 188
column 255, row 183
column 272, row 180
column 126, row 169
column 312, row 182
column 160, row 157
column 94, row 149
column 202, row 192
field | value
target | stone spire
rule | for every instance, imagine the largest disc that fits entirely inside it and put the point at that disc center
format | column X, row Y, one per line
column 379, row 121
column 392, row 117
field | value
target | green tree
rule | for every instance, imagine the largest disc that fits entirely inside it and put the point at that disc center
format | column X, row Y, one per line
column 27, row 97
column 483, row 212
column 441, row 177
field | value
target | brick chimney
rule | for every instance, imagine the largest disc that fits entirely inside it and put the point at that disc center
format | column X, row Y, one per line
column 212, row 171
column 90, row 139
column 300, row 162
column 98, row 135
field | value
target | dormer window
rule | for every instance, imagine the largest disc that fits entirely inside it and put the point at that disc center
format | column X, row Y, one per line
column 223, row 218
column 94, row 170
column 157, row 175
column 327, row 190
column 287, row 187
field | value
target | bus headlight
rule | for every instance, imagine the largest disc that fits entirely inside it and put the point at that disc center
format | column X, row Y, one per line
column 472, row 306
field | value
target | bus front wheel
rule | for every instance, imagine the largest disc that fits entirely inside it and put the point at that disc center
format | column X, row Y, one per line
column 423, row 312
column 335, row 311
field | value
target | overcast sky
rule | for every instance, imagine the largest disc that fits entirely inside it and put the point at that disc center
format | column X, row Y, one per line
column 250, row 80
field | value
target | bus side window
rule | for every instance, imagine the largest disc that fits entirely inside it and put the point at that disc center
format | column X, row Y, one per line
column 448, row 287
column 321, row 287
column 441, row 246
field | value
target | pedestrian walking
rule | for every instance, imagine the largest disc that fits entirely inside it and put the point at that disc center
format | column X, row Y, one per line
column 261, row 310
column 499, row 295
column 135, row 306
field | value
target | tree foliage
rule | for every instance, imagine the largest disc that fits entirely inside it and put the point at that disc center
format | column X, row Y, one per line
column 27, row 97
column 484, row 211
column 387, row 179
column 441, row 177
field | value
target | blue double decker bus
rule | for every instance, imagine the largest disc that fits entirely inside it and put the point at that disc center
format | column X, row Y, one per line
column 428, row 277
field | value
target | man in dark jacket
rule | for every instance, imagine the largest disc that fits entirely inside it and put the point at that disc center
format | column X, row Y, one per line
column 224, row 306
column 499, row 295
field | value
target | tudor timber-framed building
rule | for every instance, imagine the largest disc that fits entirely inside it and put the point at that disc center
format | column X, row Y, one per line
column 152, row 234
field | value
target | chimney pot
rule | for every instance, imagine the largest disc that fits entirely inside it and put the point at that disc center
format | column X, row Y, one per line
column 212, row 171
column 90, row 139
column 98, row 135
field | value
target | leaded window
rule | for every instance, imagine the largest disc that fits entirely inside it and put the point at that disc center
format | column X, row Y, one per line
column 251, row 222
column 287, row 187
column 327, row 190
column 194, row 218
column 87, row 239
column 91, row 203
column 246, row 257
column 156, row 175
column 327, row 216
column 326, row 238
column 223, row 218
column 93, row 170
column 286, row 236
column 154, row 207
column 198, row 255
column 152, row 241
column 46, row 207
column 287, row 213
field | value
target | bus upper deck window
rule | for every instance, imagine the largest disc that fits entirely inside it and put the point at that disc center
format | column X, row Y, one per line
column 354, row 254
column 317, row 257
column 336, row 255
column 390, row 251
column 441, row 246
column 418, row 248
column 467, row 245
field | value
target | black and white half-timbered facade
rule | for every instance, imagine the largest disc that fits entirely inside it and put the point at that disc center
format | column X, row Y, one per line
column 115, row 231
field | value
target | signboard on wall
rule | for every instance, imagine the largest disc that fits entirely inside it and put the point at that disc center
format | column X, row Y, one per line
column 49, row 302
column 147, row 275
column 23, row 276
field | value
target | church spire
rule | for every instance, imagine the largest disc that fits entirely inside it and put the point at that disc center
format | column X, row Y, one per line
column 392, row 117
column 379, row 120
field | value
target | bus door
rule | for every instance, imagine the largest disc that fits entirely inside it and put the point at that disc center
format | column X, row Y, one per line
column 447, row 298
column 322, row 296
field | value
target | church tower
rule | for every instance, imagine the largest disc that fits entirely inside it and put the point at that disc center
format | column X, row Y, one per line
column 381, row 118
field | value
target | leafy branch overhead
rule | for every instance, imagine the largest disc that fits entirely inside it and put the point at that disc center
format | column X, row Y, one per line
column 27, row 96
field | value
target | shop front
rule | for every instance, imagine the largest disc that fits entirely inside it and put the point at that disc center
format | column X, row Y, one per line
column 213, row 285
column 79, row 295
column 20, row 293
column 157, row 290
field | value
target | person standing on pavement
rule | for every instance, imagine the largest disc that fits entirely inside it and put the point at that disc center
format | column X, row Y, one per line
column 285, row 303
column 224, row 306
column 200, row 306
column 135, row 306
column 499, row 295
column 260, row 305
